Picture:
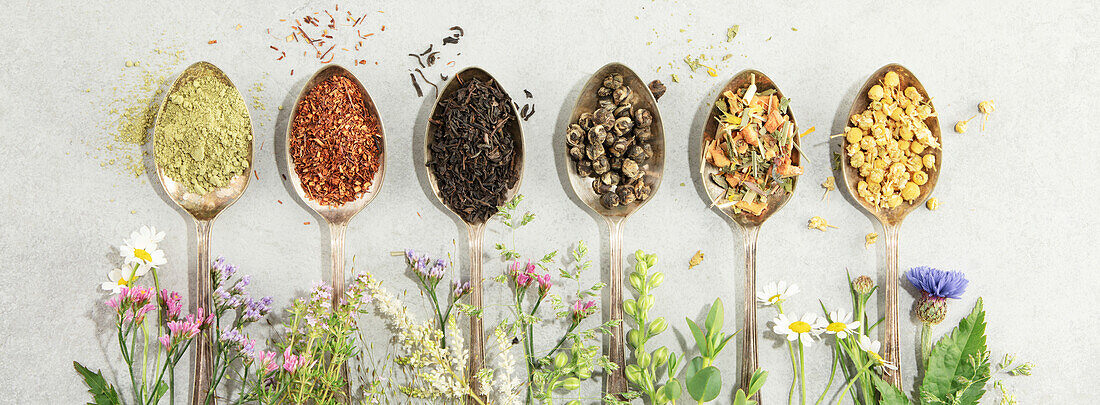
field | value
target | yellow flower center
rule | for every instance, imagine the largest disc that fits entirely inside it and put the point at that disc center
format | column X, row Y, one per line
column 143, row 255
column 774, row 298
column 122, row 281
column 836, row 327
column 874, row 356
column 800, row 327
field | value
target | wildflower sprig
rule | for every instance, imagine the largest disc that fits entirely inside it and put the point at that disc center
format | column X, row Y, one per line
column 429, row 272
column 563, row 367
column 233, row 305
column 645, row 373
column 152, row 331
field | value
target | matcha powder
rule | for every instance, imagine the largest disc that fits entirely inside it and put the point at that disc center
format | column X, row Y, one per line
column 205, row 136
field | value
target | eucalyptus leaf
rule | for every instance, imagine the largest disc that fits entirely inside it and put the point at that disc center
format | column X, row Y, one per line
column 697, row 363
column 715, row 316
column 700, row 339
column 706, row 384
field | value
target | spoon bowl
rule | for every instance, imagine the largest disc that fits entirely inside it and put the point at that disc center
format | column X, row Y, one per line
column 475, row 230
column 891, row 218
column 203, row 209
column 339, row 214
column 776, row 200
column 587, row 101
column 749, row 223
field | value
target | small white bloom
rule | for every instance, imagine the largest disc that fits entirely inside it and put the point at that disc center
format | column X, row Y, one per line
column 842, row 324
column 141, row 249
column 773, row 293
column 116, row 280
column 803, row 329
column 872, row 348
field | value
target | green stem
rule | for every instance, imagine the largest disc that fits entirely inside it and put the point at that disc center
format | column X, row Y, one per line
column 832, row 373
column 925, row 343
column 794, row 364
column 563, row 338
column 801, row 371
column 846, row 387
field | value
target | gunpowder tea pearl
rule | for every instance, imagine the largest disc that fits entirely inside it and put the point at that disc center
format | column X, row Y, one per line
column 204, row 136
column 335, row 142
column 472, row 156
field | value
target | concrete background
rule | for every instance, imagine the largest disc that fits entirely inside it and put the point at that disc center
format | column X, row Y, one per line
column 1018, row 201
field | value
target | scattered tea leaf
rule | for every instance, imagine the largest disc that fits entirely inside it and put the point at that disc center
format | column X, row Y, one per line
column 732, row 32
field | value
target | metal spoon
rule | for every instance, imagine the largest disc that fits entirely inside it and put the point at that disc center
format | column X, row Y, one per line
column 749, row 224
column 337, row 217
column 475, row 231
column 203, row 209
column 586, row 103
column 891, row 218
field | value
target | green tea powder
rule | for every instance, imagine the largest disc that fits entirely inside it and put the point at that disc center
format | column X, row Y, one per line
column 204, row 135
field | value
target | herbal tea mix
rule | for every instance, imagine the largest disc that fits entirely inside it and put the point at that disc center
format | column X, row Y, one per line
column 204, row 135
column 335, row 142
column 472, row 155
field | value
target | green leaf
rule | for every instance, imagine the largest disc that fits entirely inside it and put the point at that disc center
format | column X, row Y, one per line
column 959, row 363
column 700, row 339
column 672, row 389
column 890, row 394
column 162, row 387
column 757, row 381
column 697, row 363
column 715, row 316
column 741, row 398
column 718, row 348
column 706, row 384
column 102, row 392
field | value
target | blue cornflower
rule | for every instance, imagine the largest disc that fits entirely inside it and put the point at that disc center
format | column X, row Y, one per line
column 938, row 283
column 936, row 287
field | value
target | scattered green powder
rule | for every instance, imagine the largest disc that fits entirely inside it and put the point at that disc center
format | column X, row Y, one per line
column 205, row 135
column 131, row 109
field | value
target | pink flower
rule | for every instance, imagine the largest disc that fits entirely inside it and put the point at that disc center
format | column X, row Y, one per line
column 172, row 302
column 165, row 341
column 544, row 284
column 267, row 360
column 523, row 280
column 582, row 309
column 138, row 295
column 140, row 315
column 115, row 301
column 290, row 361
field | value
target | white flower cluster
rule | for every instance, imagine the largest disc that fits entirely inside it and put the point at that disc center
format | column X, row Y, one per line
column 437, row 372
column 505, row 386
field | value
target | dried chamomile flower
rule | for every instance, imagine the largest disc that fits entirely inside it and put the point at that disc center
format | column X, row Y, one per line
column 891, row 79
column 870, row 239
column 696, row 259
column 960, row 126
column 932, row 203
column 828, row 185
column 819, row 224
column 986, row 108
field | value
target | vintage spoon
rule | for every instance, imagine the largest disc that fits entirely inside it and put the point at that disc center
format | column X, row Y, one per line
column 586, row 103
column 203, row 209
column 749, row 224
column 475, row 231
column 891, row 218
column 337, row 217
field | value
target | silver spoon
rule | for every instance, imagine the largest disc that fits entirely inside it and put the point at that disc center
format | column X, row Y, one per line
column 475, row 231
column 749, row 224
column 337, row 217
column 203, row 209
column 891, row 218
column 586, row 103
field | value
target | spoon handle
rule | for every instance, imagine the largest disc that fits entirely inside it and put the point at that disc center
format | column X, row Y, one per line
column 616, row 380
column 892, row 347
column 338, row 233
column 203, row 365
column 476, row 235
column 749, row 362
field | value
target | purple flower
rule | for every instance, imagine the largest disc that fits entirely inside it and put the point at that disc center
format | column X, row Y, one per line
column 222, row 270
column 938, row 283
column 459, row 289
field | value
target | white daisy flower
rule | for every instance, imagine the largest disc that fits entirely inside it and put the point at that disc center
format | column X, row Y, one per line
column 803, row 329
column 141, row 249
column 872, row 348
column 842, row 324
column 774, row 293
column 116, row 280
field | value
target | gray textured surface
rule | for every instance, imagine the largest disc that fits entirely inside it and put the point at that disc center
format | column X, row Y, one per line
column 1018, row 211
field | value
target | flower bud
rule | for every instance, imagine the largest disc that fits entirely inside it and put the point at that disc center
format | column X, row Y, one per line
column 633, row 373
column 660, row 356
column 863, row 285
column 656, row 279
column 634, row 337
column 571, row 383
column 931, row 309
column 560, row 360
column 657, row 326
